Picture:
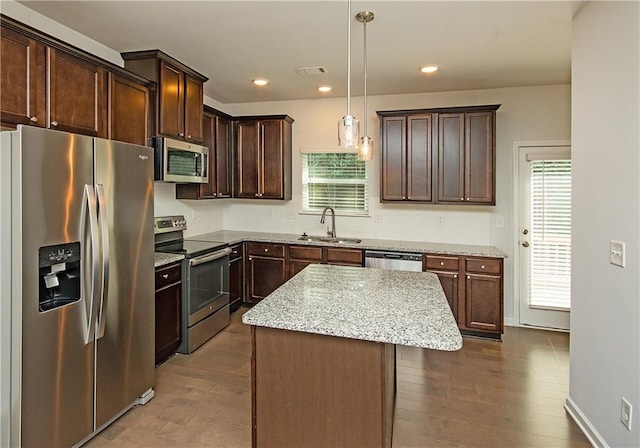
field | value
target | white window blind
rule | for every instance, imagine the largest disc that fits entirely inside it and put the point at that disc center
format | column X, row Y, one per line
column 550, row 274
column 337, row 180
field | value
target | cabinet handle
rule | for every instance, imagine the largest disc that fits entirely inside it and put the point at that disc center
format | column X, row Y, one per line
column 266, row 250
column 250, row 259
column 188, row 136
column 165, row 276
column 455, row 275
column 462, row 199
column 181, row 134
column 409, row 197
column 257, row 195
column 482, row 267
column 469, row 277
column 467, row 199
column 442, row 263
column 34, row 119
column 54, row 123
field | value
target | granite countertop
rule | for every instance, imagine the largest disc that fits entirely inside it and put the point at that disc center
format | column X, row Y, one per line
column 163, row 259
column 396, row 307
column 233, row 237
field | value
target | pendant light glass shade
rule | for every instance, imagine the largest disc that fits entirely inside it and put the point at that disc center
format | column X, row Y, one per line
column 348, row 132
column 365, row 149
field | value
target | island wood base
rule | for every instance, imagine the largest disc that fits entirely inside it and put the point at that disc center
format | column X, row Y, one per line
column 311, row 390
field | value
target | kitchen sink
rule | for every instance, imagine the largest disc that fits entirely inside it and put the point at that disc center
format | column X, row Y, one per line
column 328, row 239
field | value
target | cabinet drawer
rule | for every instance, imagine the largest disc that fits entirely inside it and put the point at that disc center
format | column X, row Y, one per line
column 441, row 263
column 305, row 253
column 168, row 275
column 483, row 266
column 266, row 249
column 347, row 256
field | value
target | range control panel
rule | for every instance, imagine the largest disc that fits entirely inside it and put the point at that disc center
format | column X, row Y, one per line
column 163, row 224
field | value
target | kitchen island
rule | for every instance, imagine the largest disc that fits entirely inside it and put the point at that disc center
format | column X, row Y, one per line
column 323, row 352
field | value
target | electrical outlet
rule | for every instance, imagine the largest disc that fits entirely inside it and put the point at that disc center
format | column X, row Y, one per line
column 440, row 220
column 291, row 214
column 500, row 222
column 377, row 218
column 625, row 413
column 616, row 253
column 269, row 213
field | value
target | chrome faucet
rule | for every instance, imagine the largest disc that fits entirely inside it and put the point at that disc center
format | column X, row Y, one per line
column 332, row 232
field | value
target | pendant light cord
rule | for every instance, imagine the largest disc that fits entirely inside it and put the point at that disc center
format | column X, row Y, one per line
column 349, row 58
column 366, row 135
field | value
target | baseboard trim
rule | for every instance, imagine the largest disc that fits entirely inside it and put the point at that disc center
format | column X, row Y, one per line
column 584, row 424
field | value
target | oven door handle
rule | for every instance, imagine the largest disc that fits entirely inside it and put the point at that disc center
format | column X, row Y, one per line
column 210, row 257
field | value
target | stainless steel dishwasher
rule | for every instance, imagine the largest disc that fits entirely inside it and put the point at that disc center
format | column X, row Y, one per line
column 393, row 261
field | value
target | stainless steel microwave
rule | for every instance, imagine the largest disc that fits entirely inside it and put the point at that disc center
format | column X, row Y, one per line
column 178, row 161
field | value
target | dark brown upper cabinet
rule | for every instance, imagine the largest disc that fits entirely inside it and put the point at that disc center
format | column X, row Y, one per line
column 444, row 155
column 263, row 157
column 48, row 83
column 406, row 158
column 466, row 158
column 128, row 110
column 179, row 101
column 217, row 137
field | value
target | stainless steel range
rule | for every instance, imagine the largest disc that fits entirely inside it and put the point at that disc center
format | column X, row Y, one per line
column 205, row 281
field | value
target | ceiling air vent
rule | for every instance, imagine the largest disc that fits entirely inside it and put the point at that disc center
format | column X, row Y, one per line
column 311, row 71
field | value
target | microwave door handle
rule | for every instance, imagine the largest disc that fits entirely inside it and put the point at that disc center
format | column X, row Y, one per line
column 104, row 231
column 211, row 257
column 91, row 299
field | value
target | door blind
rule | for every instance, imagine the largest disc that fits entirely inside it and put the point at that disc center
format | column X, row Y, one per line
column 337, row 180
column 550, row 201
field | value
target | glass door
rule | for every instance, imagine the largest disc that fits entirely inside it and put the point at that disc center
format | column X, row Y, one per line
column 545, row 236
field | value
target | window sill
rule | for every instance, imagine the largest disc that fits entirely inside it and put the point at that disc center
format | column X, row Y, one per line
column 338, row 213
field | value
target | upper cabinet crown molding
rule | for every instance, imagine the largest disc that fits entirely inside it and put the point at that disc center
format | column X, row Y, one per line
column 440, row 155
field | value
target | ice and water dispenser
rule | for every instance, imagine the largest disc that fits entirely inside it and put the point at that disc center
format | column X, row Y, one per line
column 59, row 272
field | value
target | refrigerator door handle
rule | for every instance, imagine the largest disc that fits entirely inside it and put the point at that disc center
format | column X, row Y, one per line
column 91, row 297
column 104, row 231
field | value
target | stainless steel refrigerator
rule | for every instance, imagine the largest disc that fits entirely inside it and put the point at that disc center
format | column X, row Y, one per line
column 78, row 296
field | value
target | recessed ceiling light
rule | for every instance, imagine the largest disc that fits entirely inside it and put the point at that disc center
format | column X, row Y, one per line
column 260, row 82
column 429, row 68
column 324, row 89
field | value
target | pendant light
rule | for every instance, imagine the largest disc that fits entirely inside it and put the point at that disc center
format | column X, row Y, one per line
column 348, row 127
column 365, row 150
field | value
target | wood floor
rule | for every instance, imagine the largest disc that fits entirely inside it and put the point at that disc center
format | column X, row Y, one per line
column 489, row 394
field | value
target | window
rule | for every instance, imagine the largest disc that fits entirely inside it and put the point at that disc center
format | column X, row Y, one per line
column 337, row 180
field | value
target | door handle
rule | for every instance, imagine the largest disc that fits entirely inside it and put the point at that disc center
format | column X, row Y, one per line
column 104, row 230
column 91, row 298
column 525, row 244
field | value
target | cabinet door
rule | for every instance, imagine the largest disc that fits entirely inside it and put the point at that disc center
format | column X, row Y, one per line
column 451, row 158
column 209, row 190
column 247, row 159
column 479, row 158
column 394, row 149
column 449, row 282
column 235, row 283
column 128, row 111
column 171, row 116
column 77, row 95
column 344, row 257
column 193, row 109
column 22, row 80
column 419, row 155
column 483, row 302
column 296, row 266
column 265, row 275
column 272, row 163
column 223, row 156
column 168, row 316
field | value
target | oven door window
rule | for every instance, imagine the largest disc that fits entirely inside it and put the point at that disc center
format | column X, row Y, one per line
column 208, row 288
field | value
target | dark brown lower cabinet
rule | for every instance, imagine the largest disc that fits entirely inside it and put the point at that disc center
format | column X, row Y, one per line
column 473, row 287
column 302, row 256
column 266, row 269
column 168, row 284
column 236, row 277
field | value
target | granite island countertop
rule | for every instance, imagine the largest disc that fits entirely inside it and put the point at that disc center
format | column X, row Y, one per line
column 396, row 307
column 236, row 236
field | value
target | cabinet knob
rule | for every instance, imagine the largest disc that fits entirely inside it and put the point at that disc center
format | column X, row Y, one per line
column 455, row 275
column 404, row 197
column 34, row 119
column 165, row 276
column 257, row 195
column 442, row 263
column 188, row 136
column 181, row 134
column 467, row 199
column 462, row 199
column 409, row 197
column 266, row 250
column 482, row 267
column 468, row 276
column 250, row 259
column 54, row 123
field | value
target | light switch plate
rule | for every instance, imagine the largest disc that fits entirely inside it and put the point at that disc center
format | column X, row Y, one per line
column 616, row 253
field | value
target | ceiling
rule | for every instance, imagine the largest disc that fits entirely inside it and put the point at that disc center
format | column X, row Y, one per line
column 477, row 44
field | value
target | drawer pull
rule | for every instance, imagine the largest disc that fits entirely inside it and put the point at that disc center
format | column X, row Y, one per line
column 482, row 267
column 266, row 250
column 442, row 263
column 469, row 277
column 181, row 134
column 34, row 119
column 165, row 276
column 54, row 123
column 462, row 199
column 188, row 136
column 455, row 275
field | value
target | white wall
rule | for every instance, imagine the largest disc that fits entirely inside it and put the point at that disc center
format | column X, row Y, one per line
column 533, row 113
column 605, row 317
